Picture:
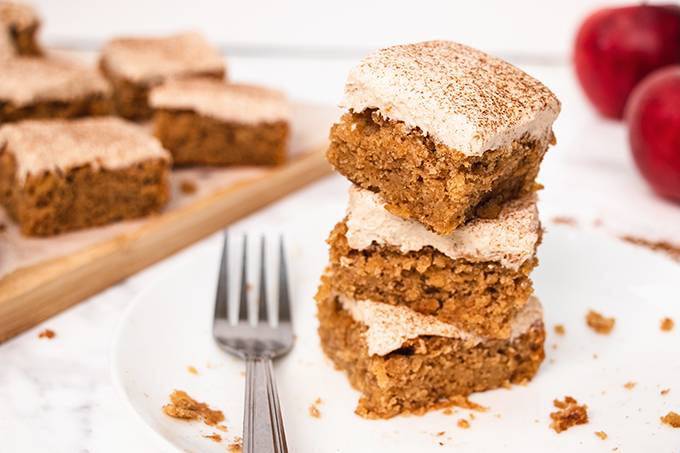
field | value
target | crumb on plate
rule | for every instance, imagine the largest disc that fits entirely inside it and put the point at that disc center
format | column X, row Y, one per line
column 47, row 333
column 672, row 250
column 564, row 220
column 630, row 385
column 559, row 329
column 184, row 407
column 570, row 413
column 462, row 423
column 671, row 419
column 192, row 370
column 187, row 187
column 599, row 323
column 601, row 434
column 465, row 403
column 667, row 324
column 236, row 445
column 664, row 392
column 314, row 408
column 214, row 437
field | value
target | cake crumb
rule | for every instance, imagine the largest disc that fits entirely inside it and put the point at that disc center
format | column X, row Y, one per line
column 564, row 220
column 630, row 385
column 47, row 333
column 471, row 416
column 570, row 413
column 667, row 324
column 214, row 437
column 599, row 323
column 184, row 407
column 314, row 408
column 664, row 392
column 462, row 423
column 441, row 433
column 601, row 434
column 559, row 329
column 448, row 411
column 463, row 402
column 187, row 187
column 672, row 250
column 192, row 370
column 671, row 419
column 236, row 445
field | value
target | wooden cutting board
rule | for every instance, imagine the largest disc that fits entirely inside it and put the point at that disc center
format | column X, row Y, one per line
column 41, row 277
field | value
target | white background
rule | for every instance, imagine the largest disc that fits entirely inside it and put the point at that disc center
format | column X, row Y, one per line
column 519, row 27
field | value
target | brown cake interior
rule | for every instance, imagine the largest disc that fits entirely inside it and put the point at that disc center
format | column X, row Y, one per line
column 425, row 180
column 195, row 139
column 56, row 202
column 427, row 372
column 94, row 105
column 482, row 297
column 131, row 99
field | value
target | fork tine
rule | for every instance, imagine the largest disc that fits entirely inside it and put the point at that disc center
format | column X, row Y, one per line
column 222, row 296
column 284, row 297
column 243, row 298
column 262, row 302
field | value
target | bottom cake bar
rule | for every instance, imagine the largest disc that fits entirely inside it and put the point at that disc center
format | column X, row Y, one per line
column 405, row 362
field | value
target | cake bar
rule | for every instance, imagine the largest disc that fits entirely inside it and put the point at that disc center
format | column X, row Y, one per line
column 477, row 276
column 51, row 87
column 63, row 175
column 211, row 122
column 135, row 65
column 19, row 25
column 405, row 362
column 444, row 132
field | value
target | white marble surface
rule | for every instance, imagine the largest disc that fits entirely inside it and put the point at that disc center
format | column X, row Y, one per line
column 57, row 395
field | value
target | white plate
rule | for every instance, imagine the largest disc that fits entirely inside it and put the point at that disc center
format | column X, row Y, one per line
column 167, row 329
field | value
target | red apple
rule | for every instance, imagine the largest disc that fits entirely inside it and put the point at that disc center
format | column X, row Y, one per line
column 615, row 48
column 653, row 117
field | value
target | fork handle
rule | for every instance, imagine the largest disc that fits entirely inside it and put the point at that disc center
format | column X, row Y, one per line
column 262, row 422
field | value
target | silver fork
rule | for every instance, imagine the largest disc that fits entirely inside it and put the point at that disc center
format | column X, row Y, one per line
column 258, row 345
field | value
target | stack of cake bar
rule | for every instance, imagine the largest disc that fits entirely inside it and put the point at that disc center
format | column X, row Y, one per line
column 427, row 296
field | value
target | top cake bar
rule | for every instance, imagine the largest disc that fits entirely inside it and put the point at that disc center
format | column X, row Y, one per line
column 444, row 132
column 134, row 65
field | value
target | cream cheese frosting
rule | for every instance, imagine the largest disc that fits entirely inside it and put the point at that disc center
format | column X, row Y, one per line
column 154, row 59
column 390, row 326
column 509, row 239
column 26, row 80
column 463, row 98
column 59, row 145
column 240, row 103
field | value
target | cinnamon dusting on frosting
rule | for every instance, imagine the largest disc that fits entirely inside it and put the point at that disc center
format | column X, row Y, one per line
column 240, row 103
column 463, row 98
column 26, row 80
column 154, row 59
column 106, row 142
